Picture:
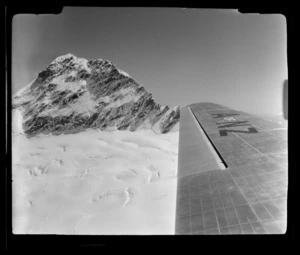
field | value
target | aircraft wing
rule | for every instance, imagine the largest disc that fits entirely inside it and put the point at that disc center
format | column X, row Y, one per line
column 232, row 173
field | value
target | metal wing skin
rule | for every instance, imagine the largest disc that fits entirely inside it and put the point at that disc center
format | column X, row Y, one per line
column 232, row 173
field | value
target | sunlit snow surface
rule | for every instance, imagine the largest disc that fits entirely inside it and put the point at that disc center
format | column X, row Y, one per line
column 94, row 182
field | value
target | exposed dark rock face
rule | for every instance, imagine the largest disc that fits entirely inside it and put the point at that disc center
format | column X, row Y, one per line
column 73, row 94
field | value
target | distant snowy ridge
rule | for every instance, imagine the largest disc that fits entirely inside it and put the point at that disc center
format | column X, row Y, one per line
column 73, row 94
column 124, row 73
column 17, row 122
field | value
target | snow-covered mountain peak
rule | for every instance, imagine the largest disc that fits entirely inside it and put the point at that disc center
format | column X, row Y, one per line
column 63, row 57
column 73, row 94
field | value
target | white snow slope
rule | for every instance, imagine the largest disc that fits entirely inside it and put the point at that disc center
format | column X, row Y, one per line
column 95, row 183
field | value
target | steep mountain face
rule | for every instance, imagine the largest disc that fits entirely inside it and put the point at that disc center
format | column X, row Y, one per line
column 73, row 94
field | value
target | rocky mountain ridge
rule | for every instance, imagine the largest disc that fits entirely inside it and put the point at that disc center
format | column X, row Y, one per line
column 73, row 94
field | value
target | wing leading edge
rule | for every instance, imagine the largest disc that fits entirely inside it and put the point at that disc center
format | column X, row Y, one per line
column 239, row 186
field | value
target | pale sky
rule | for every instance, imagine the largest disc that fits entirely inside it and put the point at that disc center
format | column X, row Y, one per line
column 182, row 56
